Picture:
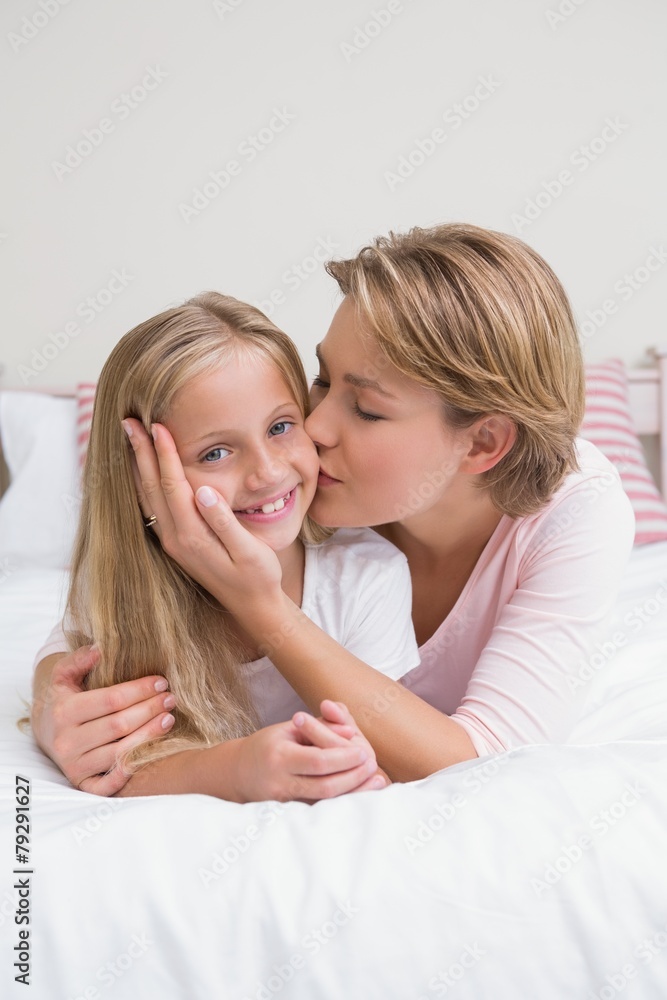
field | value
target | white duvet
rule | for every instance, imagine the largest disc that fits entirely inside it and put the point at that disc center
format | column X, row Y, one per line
column 539, row 873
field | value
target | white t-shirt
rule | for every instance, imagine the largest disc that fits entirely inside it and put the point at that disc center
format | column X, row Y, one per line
column 357, row 588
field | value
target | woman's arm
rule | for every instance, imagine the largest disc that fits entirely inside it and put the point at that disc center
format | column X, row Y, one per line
column 411, row 739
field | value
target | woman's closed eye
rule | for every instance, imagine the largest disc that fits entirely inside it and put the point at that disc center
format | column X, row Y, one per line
column 364, row 415
column 320, row 383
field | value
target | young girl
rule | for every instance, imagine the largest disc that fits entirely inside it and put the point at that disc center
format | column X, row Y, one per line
column 230, row 388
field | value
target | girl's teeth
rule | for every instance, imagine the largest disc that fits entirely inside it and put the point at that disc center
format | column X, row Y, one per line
column 269, row 508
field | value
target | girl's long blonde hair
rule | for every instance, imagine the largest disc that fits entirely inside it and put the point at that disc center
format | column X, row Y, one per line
column 126, row 594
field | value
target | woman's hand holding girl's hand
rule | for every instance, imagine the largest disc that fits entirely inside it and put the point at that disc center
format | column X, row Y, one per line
column 306, row 759
column 231, row 563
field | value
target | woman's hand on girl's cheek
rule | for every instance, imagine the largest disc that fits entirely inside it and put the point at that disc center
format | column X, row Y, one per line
column 206, row 541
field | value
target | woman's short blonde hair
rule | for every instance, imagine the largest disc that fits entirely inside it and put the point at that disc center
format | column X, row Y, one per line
column 481, row 318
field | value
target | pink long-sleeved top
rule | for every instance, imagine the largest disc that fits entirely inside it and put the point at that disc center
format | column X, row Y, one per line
column 511, row 661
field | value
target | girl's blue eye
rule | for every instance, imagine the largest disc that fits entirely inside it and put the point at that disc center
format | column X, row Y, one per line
column 283, row 426
column 214, row 451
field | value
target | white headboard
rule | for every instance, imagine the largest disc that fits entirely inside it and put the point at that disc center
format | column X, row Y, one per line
column 648, row 401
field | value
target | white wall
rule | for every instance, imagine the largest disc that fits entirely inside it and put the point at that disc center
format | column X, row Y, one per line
column 219, row 72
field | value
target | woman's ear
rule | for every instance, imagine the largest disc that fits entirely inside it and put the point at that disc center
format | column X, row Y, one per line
column 491, row 437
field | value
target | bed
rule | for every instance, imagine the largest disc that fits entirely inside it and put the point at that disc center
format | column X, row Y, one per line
column 535, row 873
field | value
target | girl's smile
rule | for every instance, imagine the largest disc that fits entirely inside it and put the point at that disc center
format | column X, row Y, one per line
column 271, row 510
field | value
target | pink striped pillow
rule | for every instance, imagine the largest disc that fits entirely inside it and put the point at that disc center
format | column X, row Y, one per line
column 609, row 426
column 85, row 397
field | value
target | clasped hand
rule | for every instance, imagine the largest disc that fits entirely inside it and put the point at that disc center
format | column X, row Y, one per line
column 84, row 732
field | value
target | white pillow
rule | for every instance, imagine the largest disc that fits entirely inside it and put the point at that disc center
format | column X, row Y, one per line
column 39, row 511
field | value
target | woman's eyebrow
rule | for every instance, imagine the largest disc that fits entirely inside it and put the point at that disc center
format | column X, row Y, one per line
column 359, row 381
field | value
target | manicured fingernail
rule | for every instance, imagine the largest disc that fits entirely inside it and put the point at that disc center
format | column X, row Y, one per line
column 154, row 432
column 378, row 782
column 168, row 722
column 363, row 756
column 299, row 719
column 161, row 684
column 127, row 428
column 206, row 496
column 169, row 701
column 94, row 649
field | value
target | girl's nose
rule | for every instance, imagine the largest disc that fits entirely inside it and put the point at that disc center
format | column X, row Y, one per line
column 265, row 470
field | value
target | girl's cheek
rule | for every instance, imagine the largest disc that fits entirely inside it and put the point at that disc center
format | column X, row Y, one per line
column 193, row 479
column 196, row 479
column 303, row 452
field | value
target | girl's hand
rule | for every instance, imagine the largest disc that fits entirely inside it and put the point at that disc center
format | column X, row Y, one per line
column 337, row 717
column 281, row 762
column 207, row 542
column 83, row 731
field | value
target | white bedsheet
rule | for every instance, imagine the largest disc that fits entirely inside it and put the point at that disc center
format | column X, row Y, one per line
column 538, row 873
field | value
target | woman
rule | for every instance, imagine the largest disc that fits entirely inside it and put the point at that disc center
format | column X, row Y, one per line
column 446, row 412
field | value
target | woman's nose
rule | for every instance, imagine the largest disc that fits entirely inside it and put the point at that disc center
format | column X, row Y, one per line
column 319, row 426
